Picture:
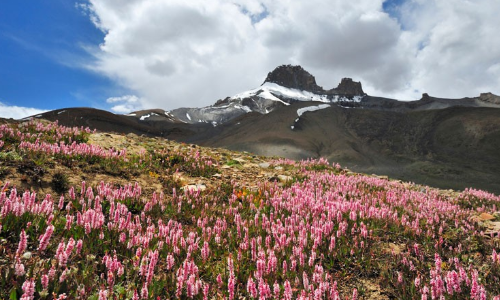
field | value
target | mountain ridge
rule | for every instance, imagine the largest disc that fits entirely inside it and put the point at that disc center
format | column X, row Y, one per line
column 449, row 143
column 296, row 77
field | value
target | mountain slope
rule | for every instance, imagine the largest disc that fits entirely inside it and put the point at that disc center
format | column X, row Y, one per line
column 453, row 147
column 449, row 143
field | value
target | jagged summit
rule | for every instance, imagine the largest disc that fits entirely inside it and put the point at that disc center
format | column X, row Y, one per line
column 490, row 97
column 348, row 87
column 296, row 77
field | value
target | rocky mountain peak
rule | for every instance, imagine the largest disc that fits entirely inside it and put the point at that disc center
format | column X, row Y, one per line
column 294, row 77
column 490, row 97
column 349, row 87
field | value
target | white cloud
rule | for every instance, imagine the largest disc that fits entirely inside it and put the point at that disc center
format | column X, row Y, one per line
column 18, row 112
column 125, row 104
column 457, row 47
column 175, row 53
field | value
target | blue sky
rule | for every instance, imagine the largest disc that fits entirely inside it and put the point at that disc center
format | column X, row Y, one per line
column 43, row 56
column 138, row 54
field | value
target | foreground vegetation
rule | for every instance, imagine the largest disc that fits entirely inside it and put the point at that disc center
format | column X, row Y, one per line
column 323, row 233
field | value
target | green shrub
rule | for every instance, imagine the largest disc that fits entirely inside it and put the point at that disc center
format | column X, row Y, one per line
column 60, row 183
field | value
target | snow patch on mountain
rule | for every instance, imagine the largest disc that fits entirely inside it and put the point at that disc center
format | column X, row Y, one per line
column 272, row 91
column 263, row 100
column 303, row 110
column 245, row 108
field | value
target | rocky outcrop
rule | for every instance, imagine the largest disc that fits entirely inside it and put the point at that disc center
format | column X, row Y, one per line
column 294, row 77
column 348, row 87
column 490, row 98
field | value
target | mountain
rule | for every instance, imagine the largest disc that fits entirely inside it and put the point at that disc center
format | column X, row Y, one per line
column 283, row 86
column 447, row 143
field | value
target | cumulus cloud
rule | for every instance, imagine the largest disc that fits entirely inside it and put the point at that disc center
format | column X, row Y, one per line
column 18, row 112
column 456, row 48
column 175, row 53
column 125, row 104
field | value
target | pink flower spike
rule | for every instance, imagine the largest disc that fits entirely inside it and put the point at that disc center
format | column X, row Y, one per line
column 22, row 244
column 355, row 294
column 45, row 238
column 45, row 281
column 103, row 294
column 19, row 268
column 28, row 290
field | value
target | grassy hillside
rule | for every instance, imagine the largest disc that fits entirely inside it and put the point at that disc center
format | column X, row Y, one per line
column 87, row 215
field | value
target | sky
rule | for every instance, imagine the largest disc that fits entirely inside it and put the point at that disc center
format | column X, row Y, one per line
column 129, row 55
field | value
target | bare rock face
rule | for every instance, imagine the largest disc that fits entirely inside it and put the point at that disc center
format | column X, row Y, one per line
column 489, row 97
column 348, row 87
column 294, row 77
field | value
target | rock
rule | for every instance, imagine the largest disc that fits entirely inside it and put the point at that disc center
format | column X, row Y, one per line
column 194, row 187
column 493, row 228
column 294, row 77
column 285, row 178
column 217, row 175
column 27, row 255
column 489, row 97
column 348, row 87
column 264, row 165
column 179, row 177
column 278, row 168
column 393, row 248
column 425, row 97
column 486, row 217
column 274, row 179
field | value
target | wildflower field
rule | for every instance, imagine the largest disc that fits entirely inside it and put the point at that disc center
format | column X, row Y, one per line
column 246, row 229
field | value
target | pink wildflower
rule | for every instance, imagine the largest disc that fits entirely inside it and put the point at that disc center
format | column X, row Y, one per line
column 61, row 203
column 170, row 261
column 251, row 288
column 144, row 291
column 276, row 290
column 79, row 246
column 355, row 294
column 205, row 251
column 230, row 286
column 288, row 290
column 45, row 238
column 19, row 268
column 63, row 276
column 45, row 281
column 206, row 289
column 22, row 244
column 28, row 289
column 219, row 280
column 52, row 273
column 103, row 294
